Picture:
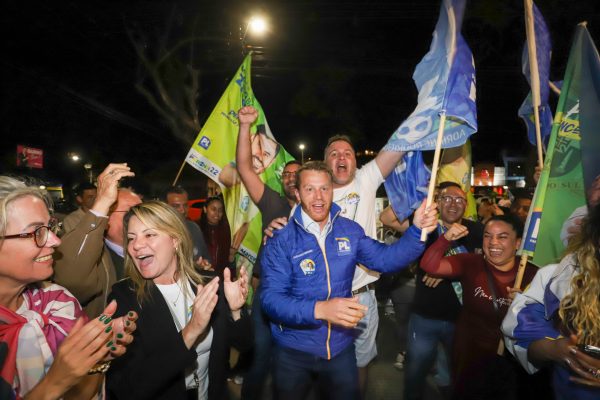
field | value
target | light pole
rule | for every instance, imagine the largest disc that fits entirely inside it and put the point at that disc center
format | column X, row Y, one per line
column 301, row 147
column 88, row 169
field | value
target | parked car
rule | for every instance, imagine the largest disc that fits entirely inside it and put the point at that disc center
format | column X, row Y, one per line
column 195, row 208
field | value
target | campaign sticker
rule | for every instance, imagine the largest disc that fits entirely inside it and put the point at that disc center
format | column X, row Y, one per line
column 308, row 266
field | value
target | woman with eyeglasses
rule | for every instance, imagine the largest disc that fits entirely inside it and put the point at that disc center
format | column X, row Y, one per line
column 186, row 323
column 47, row 350
column 487, row 282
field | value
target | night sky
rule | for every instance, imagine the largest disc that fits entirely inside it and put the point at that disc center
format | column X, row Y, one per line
column 69, row 72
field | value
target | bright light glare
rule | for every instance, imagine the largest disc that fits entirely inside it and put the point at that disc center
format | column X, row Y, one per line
column 257, row 25
column 301, row 146
column 74, row 157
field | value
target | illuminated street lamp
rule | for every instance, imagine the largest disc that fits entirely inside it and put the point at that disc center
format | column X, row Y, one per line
column 301, row 147
column 256, row 26
column 74, row 157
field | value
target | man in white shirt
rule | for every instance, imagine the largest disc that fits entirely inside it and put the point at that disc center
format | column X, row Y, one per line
column 355, row 192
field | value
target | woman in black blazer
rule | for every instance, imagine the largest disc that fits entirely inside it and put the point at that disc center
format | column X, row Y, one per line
column 180, row 348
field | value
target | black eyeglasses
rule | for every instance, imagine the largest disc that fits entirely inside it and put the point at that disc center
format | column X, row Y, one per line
column 39, row 235
column 456, row 200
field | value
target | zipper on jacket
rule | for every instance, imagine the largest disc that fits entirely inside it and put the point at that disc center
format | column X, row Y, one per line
column 328, row 275
column 328, row 295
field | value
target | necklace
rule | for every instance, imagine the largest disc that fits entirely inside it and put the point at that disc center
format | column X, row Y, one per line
column 178, row 294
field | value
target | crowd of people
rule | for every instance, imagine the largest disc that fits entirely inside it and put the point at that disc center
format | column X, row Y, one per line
column 132, row 300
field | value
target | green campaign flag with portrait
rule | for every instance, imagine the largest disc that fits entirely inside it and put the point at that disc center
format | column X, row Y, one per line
column 560, row 196
column 213, row 154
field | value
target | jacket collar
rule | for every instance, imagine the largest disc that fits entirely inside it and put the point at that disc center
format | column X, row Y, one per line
column 334, row 212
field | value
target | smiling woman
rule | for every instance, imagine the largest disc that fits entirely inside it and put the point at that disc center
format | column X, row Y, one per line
column 487, row 280
column 185, row 325
column 37, row 316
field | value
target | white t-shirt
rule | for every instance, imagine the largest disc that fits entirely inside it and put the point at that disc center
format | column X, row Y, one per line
column 357, row 201
column 177, row 300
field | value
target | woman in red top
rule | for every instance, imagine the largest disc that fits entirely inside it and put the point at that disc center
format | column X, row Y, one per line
column 487, row 280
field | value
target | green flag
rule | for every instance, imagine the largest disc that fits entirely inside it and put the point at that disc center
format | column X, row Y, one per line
column 560, row 194
column 213, row 153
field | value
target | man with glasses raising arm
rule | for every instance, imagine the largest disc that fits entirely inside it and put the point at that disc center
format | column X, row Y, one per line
column 437, row 302
column 91, row 255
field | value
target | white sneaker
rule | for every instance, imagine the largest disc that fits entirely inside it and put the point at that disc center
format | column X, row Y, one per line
column 399, row 364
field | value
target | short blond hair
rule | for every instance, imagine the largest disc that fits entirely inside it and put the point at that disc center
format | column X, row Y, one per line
column 12, row 189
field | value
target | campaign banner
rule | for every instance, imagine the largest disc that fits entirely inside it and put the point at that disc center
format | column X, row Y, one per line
column 29, row 157
column 213, row 154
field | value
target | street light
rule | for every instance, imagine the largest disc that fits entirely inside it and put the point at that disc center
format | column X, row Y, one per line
column 301, row 147
column 257, row 26
column 74, row 157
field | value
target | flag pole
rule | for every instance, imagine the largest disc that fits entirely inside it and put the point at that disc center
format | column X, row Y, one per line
column 179, row 173
column 535, row 99
column 554, row 88
column 534, row 77
column 434, row 168
column 521, row 271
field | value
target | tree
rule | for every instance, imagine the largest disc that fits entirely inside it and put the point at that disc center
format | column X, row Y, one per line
column 167, row 77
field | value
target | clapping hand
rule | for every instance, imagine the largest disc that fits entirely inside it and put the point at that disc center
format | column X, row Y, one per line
column 236, row 292
column 202, row 309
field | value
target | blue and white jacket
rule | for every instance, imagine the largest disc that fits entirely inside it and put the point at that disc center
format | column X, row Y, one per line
column 533, row 315
column 296, row 273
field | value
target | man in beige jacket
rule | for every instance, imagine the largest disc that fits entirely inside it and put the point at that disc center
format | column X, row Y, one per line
column 90, row 258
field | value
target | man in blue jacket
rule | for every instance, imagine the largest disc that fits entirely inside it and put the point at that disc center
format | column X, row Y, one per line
column 308, row 268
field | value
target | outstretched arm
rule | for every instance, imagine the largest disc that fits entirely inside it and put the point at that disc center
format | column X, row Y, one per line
column 387, row 160
column 243, row 154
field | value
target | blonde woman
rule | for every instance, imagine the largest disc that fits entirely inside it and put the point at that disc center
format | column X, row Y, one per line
column 560, row 314
column 185, row 327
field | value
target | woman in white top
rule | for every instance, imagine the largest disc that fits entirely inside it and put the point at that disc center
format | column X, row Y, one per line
column 184, row 326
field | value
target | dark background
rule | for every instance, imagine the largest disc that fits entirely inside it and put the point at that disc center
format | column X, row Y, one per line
column 68, row 71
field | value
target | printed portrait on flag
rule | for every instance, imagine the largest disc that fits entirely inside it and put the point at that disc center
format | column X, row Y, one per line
column 213, row 153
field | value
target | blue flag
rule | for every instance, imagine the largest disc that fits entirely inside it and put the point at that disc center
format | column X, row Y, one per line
column 406, row 187
column 445, row 78
column 543, row 47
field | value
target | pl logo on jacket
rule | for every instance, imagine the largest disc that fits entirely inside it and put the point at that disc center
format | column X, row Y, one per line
column 308, row 266
column 343, row 246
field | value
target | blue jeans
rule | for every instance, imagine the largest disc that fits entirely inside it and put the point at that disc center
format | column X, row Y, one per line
column 424, row 335
column 295, row 370
column 254, row 379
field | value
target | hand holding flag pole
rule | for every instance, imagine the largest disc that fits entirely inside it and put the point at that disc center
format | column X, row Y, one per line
column 445, row 78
